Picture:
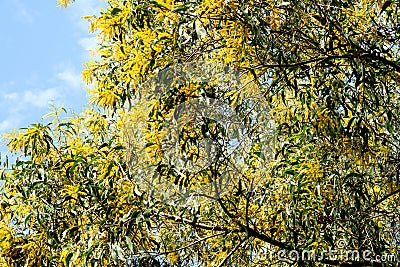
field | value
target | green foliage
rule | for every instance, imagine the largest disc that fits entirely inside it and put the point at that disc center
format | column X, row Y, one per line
column 309, row 160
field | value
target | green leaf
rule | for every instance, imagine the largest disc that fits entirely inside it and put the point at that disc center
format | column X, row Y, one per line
column 68, row 259
column 129, row 243
column 115, row 11
column 386, row 5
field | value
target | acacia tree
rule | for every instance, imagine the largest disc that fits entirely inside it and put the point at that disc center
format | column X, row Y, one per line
column 308, row 163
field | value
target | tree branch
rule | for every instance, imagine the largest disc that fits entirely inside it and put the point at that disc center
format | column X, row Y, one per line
column 194, row 224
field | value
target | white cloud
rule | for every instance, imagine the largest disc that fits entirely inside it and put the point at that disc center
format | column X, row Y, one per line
column 11, row 96
column 88, row 43
column 5, row 126
column 16, row 102
column 71, row 78
column 40, row 98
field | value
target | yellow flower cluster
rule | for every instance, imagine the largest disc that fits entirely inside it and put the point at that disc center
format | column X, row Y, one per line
column 64, row 3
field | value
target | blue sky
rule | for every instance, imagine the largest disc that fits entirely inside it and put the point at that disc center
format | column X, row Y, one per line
column 42, row 50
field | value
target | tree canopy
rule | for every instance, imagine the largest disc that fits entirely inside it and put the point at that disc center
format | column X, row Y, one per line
column 219, row 133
